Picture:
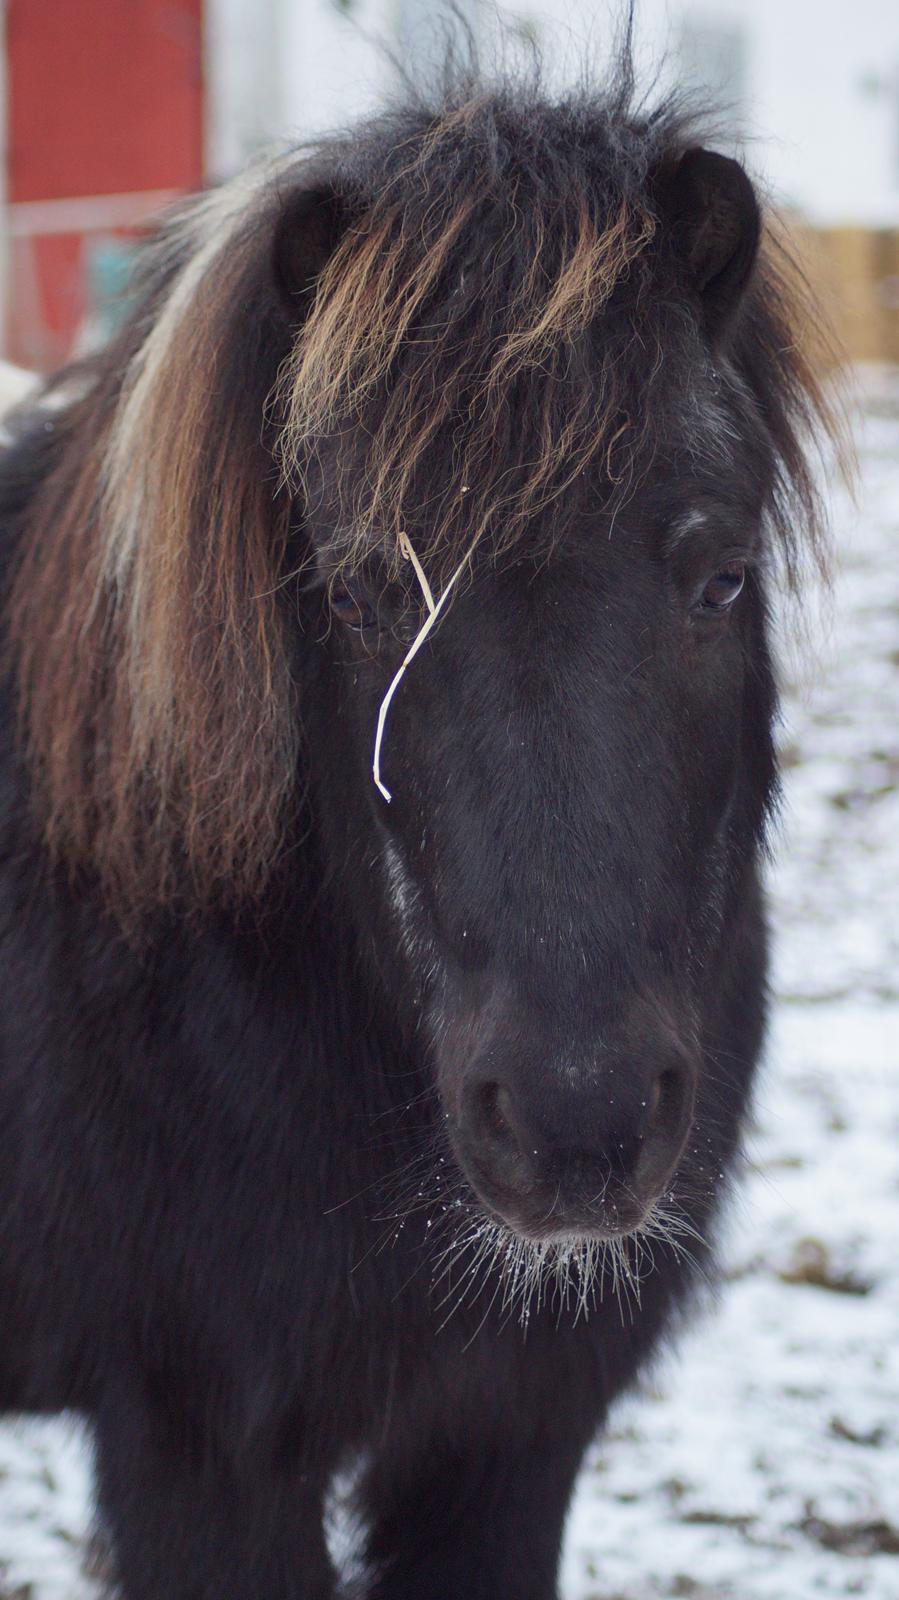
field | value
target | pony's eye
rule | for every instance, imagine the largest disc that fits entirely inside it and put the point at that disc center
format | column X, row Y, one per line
column 722, row 590
column 350, row 606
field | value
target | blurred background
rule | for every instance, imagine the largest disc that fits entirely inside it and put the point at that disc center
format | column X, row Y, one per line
column 110, row 108
column 764, row 1463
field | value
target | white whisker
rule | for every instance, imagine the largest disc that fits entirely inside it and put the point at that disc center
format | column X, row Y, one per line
column 523, row 1276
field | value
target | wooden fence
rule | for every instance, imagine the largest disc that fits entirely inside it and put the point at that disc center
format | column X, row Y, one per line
column 856, row 273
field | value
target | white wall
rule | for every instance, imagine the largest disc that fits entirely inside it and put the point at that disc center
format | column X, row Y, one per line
column 290, row 69
column 822, row 121
column 831, row 143
column 820, row 126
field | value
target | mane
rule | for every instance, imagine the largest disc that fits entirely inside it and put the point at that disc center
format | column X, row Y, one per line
column 496, row 317
column 530, row 267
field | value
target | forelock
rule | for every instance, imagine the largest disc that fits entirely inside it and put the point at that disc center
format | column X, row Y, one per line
column 454, row 335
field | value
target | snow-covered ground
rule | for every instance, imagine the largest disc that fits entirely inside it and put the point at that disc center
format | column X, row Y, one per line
column 762, row 1462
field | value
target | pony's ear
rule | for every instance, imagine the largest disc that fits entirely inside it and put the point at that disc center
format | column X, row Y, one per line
column 710, row 204
column 308, row 231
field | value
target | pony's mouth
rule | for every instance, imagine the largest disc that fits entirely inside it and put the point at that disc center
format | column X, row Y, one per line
column 558, row 1227
column 541, row 1215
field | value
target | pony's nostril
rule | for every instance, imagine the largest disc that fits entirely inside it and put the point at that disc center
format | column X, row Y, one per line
column 494, row 1140
column 668, row 1110
column 666, row 1100
column 495, row 1107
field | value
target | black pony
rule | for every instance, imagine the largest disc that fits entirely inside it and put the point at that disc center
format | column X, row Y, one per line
column 342, row 1133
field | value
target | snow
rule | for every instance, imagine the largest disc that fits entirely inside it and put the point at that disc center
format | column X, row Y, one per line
column 761, row 1461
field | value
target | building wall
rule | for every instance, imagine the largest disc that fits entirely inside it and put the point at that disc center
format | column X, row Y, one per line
column 104, row 118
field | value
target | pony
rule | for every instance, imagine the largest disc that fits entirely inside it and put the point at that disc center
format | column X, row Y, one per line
column 377, row 1132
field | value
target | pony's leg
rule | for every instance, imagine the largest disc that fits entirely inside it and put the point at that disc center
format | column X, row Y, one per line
column 180, row 1528
column 479, row 1525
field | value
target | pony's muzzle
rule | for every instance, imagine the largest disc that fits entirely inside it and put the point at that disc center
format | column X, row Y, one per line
column 582, row 1154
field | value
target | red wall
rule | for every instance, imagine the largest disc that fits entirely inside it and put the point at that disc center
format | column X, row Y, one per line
column 105, row 98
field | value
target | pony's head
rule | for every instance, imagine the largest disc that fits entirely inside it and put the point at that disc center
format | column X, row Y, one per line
column 545, row 354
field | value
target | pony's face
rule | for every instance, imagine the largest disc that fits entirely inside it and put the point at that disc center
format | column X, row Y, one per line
column 578, row 759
